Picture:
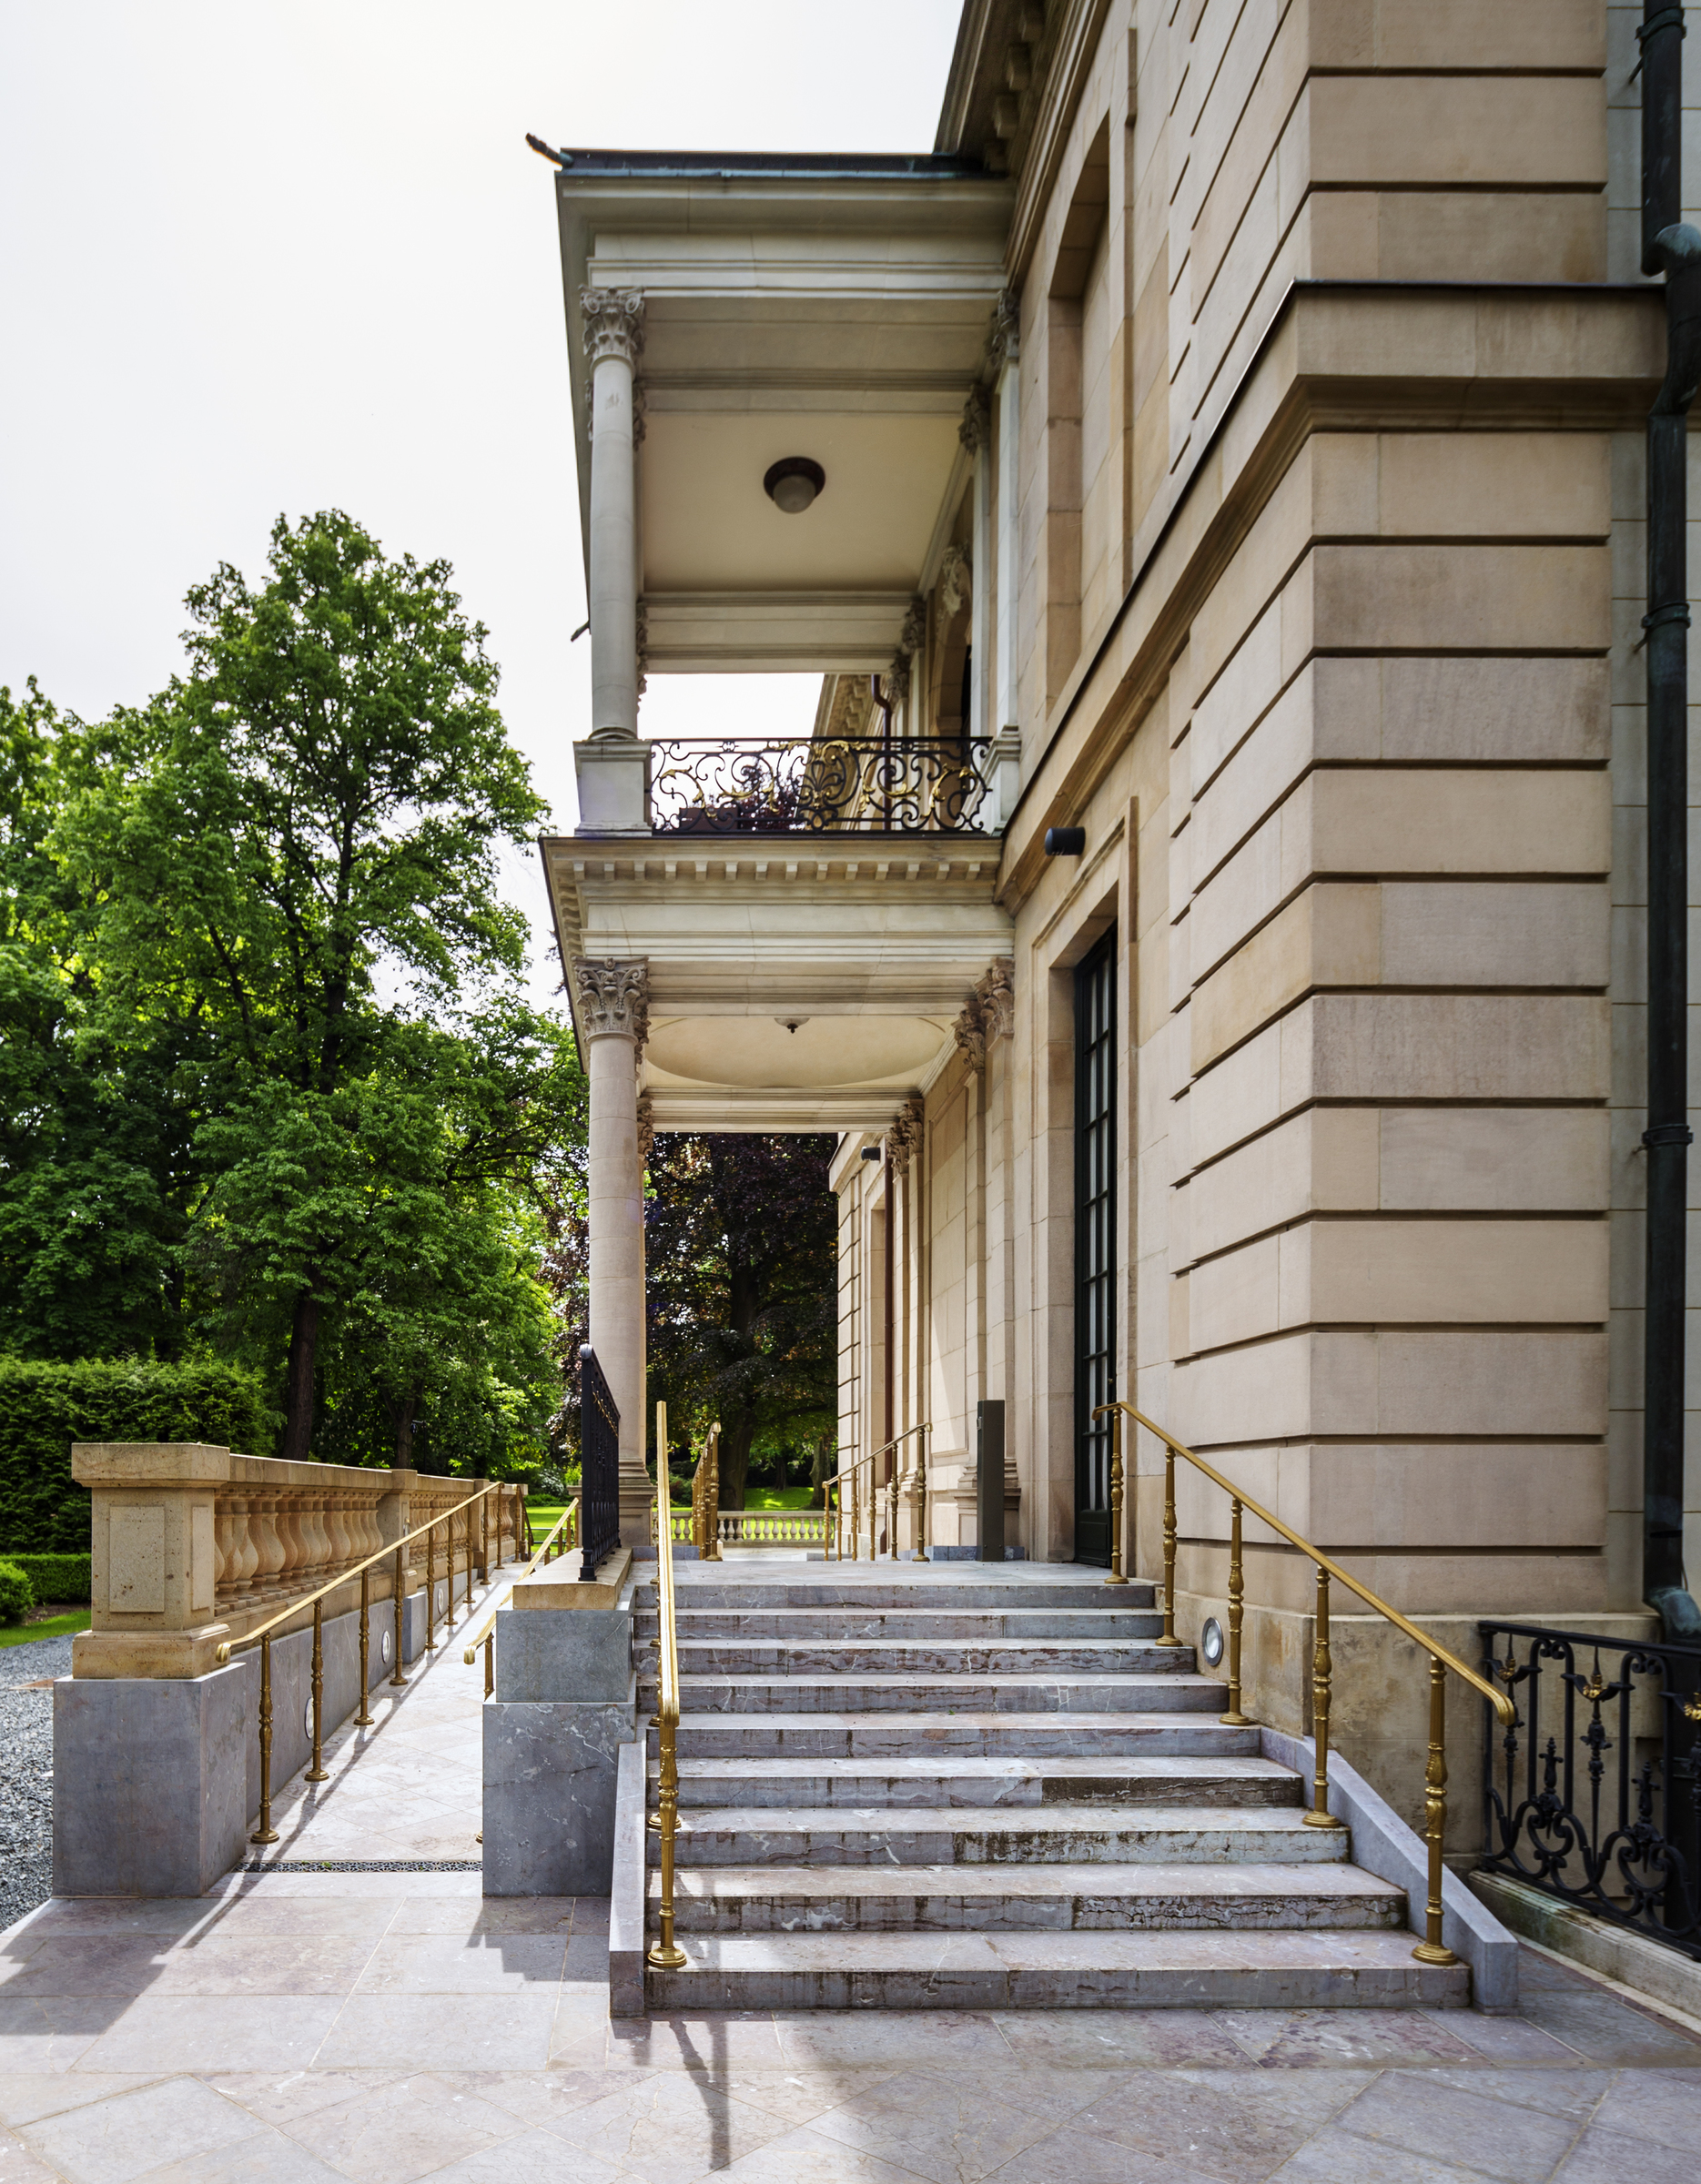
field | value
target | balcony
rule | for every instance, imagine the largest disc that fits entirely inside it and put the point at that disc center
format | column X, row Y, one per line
column 952, row 786
column 815, row 785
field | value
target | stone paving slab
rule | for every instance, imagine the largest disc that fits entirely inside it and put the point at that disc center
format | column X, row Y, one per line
column 378, row 2028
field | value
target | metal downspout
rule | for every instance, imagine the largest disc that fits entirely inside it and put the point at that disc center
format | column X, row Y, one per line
column 1670, row 247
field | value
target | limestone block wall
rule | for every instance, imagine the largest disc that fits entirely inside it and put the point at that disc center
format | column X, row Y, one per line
column 1389, row 1243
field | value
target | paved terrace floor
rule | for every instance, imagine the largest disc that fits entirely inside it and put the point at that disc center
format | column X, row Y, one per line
column 299, row 2028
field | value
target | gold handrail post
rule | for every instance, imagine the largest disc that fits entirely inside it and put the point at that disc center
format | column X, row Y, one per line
column 1319, row 1814
column 891, row 1506
column 1234, row 1718
column 855, row 1514
column 1168, row 1637
column 489, row 1665
column 266, row 1832
column 921, row 1495
column 431, row 1587
column 711, row 1553
column 1116, row 1576
column 317, row 1772
column 1433, row 1949
column 665, row 1953
column 399, row 1604
column 363, row 1720
column 484, row 1537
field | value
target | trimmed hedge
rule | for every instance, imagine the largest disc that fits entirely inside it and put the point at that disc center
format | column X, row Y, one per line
column 69, row 1578
column 44, row 1407
column 16, row 1599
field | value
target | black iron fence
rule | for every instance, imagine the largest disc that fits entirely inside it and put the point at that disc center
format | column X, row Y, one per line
column 806, row 784
column 1594, row 1795
column 599, row 1478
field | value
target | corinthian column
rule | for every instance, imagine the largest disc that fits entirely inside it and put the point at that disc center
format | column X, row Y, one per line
column 613, row 1014
column 614, row 340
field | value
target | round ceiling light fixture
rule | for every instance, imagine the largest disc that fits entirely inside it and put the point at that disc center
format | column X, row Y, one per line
column 793, row 483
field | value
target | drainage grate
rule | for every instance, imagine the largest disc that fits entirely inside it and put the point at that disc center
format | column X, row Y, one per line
column 364, row 1865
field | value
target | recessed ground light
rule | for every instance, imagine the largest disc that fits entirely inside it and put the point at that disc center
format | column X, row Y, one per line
column 793, row 483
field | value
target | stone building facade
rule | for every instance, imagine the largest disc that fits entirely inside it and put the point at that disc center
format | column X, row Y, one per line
column 1231, row 444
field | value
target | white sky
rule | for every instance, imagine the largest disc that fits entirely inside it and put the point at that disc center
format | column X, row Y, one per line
column 270, row 255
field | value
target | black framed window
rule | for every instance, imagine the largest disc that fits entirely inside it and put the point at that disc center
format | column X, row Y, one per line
column 1094, row 1245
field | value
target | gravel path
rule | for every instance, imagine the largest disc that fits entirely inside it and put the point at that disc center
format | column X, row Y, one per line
column 26, row 1773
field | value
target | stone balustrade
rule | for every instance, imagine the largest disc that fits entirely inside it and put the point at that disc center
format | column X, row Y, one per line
column 193, row 1545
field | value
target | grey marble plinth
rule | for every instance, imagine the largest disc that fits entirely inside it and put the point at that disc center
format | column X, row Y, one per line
column 550, row 1769
column 565, row 1703
column 148, row 1783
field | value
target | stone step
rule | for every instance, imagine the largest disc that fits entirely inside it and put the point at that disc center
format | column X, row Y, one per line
column 914, row 1657
column 697, row 1585
column 983, row 1625
column 982, row 1970
column 971, row 1733
column 980, row 1783
column 1171, row 1835
column 909, row 1693
column 1081, row 1900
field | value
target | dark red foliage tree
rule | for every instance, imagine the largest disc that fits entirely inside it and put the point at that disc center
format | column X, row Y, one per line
column 740, row 1239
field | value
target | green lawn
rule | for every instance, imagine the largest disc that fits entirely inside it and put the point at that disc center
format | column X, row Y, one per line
column 55, row 1626
column 544, row 1513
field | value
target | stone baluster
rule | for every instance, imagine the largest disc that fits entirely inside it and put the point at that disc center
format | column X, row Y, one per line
column 337, row 1514
column 271, row 1546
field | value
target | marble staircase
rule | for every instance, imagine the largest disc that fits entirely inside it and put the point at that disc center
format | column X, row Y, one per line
column 925, row 1788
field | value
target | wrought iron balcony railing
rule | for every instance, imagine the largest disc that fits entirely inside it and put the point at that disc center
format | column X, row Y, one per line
column 1592, row 1794
column 810, row 785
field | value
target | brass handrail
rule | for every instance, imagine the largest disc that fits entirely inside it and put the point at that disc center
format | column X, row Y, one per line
column 665, row 1953
column 835, row 1486
column 1431, row 1949
column 705, row 1499
column 261, row 1634
column 553, row 1544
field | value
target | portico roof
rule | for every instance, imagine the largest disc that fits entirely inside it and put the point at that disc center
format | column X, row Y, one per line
column 833, row 307
column 793, row 984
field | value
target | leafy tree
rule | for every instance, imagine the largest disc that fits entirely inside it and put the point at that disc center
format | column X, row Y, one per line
column 95, row 1170
column 740, row 1238
column 292, row 850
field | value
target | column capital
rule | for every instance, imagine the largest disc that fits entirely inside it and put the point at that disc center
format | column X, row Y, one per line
column 956, row 580
column 613, row 324
column 903, row 1136
column 613, row 998
column 975, row 429
column 990, row 1013
column 1004, row 344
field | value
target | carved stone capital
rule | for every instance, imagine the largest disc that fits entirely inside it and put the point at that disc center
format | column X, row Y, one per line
column 1004, row 344
column 642, row 647
column 614, row 999
column 613, row 324
column 915, row 629
column 903, row 1136
column 990, row 1013
column 975, row 429
column 996, row 993
column 956, row 580
column 646, row 1126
